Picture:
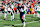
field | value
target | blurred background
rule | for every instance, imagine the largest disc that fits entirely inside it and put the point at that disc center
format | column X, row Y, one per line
column 28, row 3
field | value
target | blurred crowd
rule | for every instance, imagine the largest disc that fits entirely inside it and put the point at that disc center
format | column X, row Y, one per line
column 17, row 5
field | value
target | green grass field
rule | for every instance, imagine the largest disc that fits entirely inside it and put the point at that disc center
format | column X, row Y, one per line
column 30, row 21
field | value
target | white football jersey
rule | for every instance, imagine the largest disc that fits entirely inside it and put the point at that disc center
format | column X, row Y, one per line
column 12, row 6
column 35, row 8
column 38, row 8
column 25, row 7
column 9, row 9
column 6, row 8
column 22, row 10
